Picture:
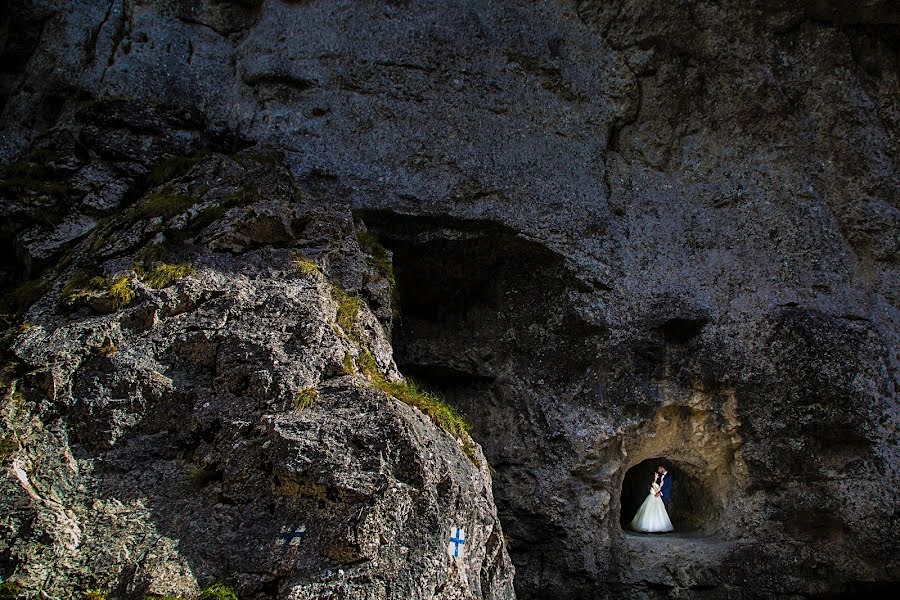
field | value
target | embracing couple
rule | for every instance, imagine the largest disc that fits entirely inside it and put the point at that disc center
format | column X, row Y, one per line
column 652, row 516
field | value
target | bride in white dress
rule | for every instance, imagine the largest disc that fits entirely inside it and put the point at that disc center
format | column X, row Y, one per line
column 652, row 517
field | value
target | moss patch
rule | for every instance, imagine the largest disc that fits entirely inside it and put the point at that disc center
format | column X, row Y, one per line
column 243, row 197
column 305, row 398
column 163, row 203
column 305, row 266
column 203, row 476
column 163, row 275
column 78, row 282
column 218, row 591
column 20, row 298
column 118, row 289
column 7, row 373
column 348, row 310
column 379, row 255
column 9, row 445
column 94, row 595
column 441, row 414
column 172, row 167
column 34, row 175
column 348, row 365
column 107, row 348
column 13, row 306
column 10, row 590
column 152, row 253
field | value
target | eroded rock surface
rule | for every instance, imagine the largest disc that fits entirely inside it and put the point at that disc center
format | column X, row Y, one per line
column 615, row 231
column 215, row 427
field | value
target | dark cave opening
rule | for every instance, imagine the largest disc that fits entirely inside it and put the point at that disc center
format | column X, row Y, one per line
column 473, row 297
column 692, row 507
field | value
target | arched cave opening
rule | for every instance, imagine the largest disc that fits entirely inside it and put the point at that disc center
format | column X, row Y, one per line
column 693, row 507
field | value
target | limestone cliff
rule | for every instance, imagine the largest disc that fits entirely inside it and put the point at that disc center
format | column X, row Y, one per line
column 610, row 234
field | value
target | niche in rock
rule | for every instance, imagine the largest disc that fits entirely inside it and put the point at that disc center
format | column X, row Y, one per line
column 475, row 299
column 693, row 506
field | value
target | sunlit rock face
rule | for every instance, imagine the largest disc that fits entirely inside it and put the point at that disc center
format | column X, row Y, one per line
column 618, row 233
column 185, row 405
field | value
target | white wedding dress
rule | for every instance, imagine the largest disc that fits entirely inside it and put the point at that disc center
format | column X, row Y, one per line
column 652, row 517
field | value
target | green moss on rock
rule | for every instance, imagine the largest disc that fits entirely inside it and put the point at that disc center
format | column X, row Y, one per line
column 305, row 266
column 305, row 398
column 435, row 408
column 163, row 203
column 348, row 306
column 117, row 289
column 10, row 590
column 173, row 167
column 379, row 255
column 163, row 275
column 219, row 591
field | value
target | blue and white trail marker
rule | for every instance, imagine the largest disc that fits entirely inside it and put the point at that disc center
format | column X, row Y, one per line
column 457, row 540
column 291, row 536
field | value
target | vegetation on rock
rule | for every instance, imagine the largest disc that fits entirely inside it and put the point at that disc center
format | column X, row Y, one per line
column 378, row 254
column 173, row 167
column 441, row 414
column 10, row 590
column 33, row 175
column 152, row 253
column 163, row 203
column 348, row 306
column 217, row 591
column 305, row 266
column 108, row 348
column 163, row 275
column 348, row 365
column 201, row 476
column 23, row 296
column 8, row 445
column 117, row 289
column 305, row 398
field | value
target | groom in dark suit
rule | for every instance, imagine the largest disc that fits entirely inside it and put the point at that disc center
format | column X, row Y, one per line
column 666, row 491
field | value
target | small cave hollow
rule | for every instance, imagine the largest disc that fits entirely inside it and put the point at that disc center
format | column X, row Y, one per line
column 693, row 506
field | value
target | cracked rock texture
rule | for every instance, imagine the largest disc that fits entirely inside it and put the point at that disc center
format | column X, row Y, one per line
column 614, row 231
column 215, row 427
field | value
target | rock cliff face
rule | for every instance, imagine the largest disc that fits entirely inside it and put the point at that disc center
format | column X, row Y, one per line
column 187, row 404
column 611, row 234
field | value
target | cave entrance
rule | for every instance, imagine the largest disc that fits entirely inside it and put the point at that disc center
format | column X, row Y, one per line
column 692, row 507
column 474, row 299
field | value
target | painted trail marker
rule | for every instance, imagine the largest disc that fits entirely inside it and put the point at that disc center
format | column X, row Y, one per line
column 457, row 540
column 291, row 536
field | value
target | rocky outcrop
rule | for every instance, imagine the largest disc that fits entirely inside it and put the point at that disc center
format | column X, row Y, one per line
column 184, row 405
column 612, row 233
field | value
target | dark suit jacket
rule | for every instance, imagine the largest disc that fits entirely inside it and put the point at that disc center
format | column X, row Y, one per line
column 666, row 491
